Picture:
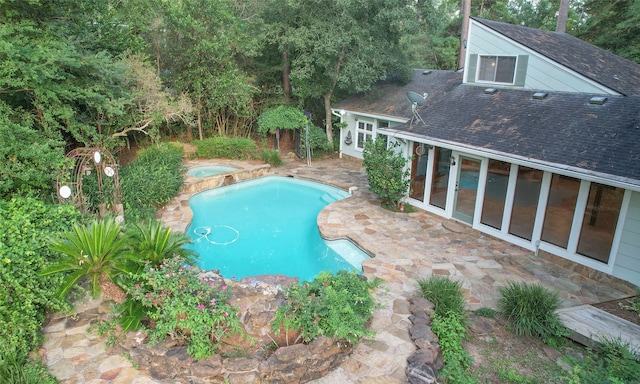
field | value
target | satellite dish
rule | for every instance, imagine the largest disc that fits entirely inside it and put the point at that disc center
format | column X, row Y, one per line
column 417, row 100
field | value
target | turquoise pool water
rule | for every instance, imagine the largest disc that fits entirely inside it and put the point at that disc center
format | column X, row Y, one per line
column 209, row 170
column 268, row 226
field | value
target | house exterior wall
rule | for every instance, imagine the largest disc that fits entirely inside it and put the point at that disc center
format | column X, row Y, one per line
column 624, row 259
column 541, row 73
column 627, row 264
column 351, row 119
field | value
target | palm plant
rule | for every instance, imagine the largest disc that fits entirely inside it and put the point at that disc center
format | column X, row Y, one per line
column 98, row 252
column 153, row 242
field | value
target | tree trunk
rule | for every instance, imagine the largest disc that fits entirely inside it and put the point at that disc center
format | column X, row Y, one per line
column 563, row 14
column 200, row 135
column 110, row 290
column 286, row 74
column 464, row 32
column 327, row 115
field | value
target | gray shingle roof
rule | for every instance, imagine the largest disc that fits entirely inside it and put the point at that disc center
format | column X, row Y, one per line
column 597, row 64
column 563, row 129
column 391, row 100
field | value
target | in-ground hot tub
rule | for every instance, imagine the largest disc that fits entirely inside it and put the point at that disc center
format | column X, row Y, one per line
column 210, row 170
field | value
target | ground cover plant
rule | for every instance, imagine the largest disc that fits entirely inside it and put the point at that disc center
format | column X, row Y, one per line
column 184, row 307
column 449, row 323
column 337, row 306
column 612, row 361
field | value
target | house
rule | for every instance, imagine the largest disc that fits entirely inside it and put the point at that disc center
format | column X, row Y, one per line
column 536, row 142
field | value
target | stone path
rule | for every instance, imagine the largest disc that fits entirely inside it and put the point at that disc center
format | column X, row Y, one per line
column 406, row 248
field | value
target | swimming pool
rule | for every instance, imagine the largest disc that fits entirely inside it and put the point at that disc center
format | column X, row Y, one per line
column 268, row 226
column 209, row 170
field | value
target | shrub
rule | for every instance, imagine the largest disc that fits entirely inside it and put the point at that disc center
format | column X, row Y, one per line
column 331, row 305
column 386, row 171
column 30, row 158
column 615, row 362
column 225, row 148
column 444, row 293
column 185, row 307
column 151, row 180
column 25, row 296
column 317, row 140
column 153, row 242
column 271, row 156
column 531, row 310
column 96, row 252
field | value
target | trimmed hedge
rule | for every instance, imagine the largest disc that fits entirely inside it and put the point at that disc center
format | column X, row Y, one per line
column 226, row 148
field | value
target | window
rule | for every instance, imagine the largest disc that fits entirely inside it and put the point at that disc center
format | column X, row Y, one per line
column 497, row 69
column 558, row 216
column 525, row 202
column 600, row 221
column 495, row 193
column 364, row 133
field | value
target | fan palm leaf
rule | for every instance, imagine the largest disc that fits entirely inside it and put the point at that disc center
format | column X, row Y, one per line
column 153, row 242
column 91, row 251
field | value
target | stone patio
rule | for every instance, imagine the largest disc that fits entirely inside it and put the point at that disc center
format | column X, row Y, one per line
column 406, row 247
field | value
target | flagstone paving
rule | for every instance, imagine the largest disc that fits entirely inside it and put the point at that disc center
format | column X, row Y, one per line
column 406, row 247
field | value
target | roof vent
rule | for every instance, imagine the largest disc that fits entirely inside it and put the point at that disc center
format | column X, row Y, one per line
column 598, row 100
column 490, row 91
column 426, row 72
column 540, row 95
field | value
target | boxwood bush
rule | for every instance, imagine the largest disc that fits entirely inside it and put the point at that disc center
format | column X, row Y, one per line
column 151, row 180
column 226, row 148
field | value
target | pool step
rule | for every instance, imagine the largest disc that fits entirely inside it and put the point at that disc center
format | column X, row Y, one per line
column 331, row 198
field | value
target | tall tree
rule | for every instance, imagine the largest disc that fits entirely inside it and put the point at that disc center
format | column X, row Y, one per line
column 346, row 45
column 202, row 43
column 614, row 26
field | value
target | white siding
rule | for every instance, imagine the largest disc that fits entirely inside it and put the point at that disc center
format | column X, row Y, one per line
column 350, row 150
column 352, row 124
column 542, row 74
column 627, row 264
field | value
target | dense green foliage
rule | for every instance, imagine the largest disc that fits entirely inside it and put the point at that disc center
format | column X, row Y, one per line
column 449, row 322
column 451, row 330
column 444, row 293
column 185, row 307
column 225, row 148
column 530, row 310
column 337, row 305
column 387, row 171
column 614, row 26
column 613, row 362
column 317, row 141
column 151, row 180
column 14, row 369
column 272, row 157
column 30, row 158
column 25, row 296
column 95, row 252
column 153, row 242
column 281, row 117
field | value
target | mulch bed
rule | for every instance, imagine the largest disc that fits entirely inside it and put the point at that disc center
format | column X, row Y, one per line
column 614, row 307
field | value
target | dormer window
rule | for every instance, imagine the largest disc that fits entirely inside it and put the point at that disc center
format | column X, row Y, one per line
column 507, row 70
column 497, row 69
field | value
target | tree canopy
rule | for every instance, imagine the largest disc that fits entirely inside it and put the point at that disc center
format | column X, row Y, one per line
column 97, row 72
